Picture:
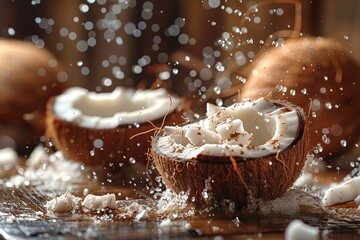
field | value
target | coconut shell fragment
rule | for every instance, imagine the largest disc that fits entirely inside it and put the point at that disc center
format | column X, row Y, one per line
column 319, row 73
column 241, row 176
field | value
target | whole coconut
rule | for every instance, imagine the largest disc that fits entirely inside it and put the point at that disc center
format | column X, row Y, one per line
column 320, row 75
column 28, row 77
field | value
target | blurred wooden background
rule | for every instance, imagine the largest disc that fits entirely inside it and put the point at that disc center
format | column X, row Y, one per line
column 121, row 36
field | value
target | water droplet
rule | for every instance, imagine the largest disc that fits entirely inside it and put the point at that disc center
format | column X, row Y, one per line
column 219, row 102
column 304, row 91
column 328, row 105
column 318, row 148
column 241, row 79
column 217, row 90
column 205, row 194
column 279, row 88
column 214, row 3
column 132, row 160
column 325, row 139
column 98, row 143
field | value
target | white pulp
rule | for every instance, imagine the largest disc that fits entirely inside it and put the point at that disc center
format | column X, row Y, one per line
column 110, row 110
column 343, row 192
column 95, row 202
column 64, row 203
column 297, row 230
column 247, row 129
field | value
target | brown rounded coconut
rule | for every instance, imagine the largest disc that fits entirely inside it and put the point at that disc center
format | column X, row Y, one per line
column 317, row 70
column 29, row 76
column 211, row 179
column 112, row 148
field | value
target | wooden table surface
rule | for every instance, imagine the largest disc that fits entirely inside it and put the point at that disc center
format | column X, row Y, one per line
column 23, row 215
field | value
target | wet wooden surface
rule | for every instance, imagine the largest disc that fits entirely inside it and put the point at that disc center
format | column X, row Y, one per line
column 23, row 215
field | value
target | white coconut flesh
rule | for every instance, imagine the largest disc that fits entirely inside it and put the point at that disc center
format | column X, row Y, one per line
column 249, row 129
column 122, row 106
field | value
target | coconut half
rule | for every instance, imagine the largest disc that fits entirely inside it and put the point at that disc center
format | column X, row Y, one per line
column 319, row 69
column 29, row 76
column 249, row 150
column 97, row 128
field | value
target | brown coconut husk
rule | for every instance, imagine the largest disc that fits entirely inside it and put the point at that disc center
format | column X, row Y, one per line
column 240, row 180
column 314, row 64
column 28, row 78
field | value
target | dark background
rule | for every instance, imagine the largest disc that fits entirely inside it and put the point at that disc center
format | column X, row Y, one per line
column 42, row 21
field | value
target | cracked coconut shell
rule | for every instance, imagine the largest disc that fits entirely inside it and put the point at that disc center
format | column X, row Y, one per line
column 263, row 166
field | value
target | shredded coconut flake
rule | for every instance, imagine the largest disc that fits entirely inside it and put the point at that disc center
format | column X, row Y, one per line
column 64, row 203
column 298, row 230
column 95, row 202
column 343, row 192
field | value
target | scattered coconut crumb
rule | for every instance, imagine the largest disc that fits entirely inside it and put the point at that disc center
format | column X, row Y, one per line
column 306, row 179
column 37, row 157
column 64, row 203
column 95, row 202
column 54, row 169
column 298, row 230
column 8, row 157
column 91, row 233
column 165, row 223
column 10, row 219
column 293, row 202
column 344, row 192
column 142, row 215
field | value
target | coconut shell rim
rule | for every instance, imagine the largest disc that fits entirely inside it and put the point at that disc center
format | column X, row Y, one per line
column 50, row 104
column 225, row 160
